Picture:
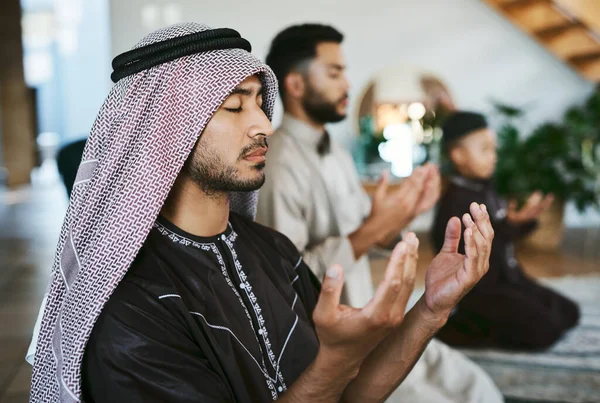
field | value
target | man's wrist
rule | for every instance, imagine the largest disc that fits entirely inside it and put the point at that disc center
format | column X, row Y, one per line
column 336, row 365
column 367, row 235
column 385, row 229
column 325, row 379
column 433, row 320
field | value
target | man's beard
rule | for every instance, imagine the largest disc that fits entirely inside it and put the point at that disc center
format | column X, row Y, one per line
column 321, row 110
column 208, row 170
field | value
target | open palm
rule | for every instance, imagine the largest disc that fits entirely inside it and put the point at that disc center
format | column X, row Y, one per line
column 536, row 204
column 444, row 280
column 451, row 275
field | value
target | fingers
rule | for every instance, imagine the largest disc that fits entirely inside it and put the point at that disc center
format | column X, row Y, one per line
column 532, row 205
column 483, row 252
column 408, row 194
column 380, row 307
column 535, row 198
column 482, row 219
column 435, row 174
column 418, row 193
column 410, row 267
column 417, row 178
column 331, row 291
column 452, row 237
column 542, row 205
column 537, row 204
column 547, row 202
column 432, row 171
column 382, row 186
column 475, row 248
column 433, row 183
column 421, row 172
column 478, row 246
column 408, row 280
column 470, row 250
column 434, row 190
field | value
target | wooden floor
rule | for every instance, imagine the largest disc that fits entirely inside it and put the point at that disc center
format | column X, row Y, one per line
column 30, row 221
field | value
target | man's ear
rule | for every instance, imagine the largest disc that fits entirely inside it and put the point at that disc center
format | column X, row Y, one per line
column 294, row 85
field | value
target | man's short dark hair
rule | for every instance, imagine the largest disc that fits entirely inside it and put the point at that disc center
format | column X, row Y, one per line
column 297, row 44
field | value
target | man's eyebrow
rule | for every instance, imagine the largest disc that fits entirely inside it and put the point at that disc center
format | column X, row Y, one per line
column 247, row 92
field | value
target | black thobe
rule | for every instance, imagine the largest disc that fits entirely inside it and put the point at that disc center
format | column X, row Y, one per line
column 205, row 319
column 506, row 308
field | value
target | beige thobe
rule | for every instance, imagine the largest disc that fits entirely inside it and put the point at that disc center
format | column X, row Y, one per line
column 317, row 201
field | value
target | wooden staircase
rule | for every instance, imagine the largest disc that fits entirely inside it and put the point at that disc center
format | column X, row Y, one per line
column 570, row 29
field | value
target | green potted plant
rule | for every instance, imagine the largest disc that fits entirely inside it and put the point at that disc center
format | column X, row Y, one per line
column 551, row 160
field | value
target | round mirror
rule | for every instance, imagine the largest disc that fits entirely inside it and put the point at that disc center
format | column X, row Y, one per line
column 398, row 121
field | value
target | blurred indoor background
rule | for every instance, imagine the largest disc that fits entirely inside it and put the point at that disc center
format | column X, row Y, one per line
column 531, row 65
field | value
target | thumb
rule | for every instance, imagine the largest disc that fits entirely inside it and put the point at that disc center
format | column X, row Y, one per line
column 452, row 238
column 331, row 290
column 512, row 206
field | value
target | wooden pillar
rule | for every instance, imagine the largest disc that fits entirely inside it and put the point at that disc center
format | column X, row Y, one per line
column 17, row 113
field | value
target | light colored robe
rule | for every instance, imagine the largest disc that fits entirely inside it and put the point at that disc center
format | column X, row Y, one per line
column 317, row 201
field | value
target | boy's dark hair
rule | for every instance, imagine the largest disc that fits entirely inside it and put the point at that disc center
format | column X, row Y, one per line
column 458, row 125
column 295, row 45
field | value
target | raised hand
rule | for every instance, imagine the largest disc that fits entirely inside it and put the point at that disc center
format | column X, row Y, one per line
column 536, row 204
column 350, row 334
column 452, row 275
column 393, row 211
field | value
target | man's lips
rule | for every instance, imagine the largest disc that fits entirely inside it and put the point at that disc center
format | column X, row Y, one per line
column 258, row 155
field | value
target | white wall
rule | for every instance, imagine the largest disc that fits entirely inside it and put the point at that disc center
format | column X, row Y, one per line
column 477, row 52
